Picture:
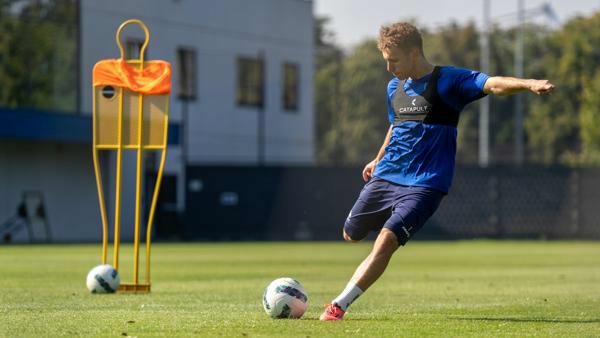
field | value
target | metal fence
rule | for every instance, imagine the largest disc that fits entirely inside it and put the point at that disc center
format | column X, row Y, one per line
column 528, row 202
column 307, row 203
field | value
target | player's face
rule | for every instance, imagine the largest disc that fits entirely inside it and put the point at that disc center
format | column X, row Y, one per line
column 398, row 62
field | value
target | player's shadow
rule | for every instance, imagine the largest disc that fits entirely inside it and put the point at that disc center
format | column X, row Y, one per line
column 529, row 320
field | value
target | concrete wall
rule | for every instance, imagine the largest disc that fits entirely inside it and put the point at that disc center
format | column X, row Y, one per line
column 64, row 174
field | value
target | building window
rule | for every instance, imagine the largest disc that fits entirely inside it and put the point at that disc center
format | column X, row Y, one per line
column 186, row 73
column 250, row 82
column 133, row 48
column 291, row 79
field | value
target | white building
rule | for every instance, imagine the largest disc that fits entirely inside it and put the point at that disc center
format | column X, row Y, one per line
column 242, row 69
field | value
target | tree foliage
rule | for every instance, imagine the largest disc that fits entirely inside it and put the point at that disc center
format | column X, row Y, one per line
column 38, row 54
column 564, row 127
column 328, row 65
column 561, row 128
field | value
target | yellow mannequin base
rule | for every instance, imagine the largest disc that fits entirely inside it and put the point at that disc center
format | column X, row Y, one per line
column 134, row 288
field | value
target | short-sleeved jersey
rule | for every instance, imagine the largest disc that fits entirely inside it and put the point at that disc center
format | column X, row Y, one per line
column 424, row 114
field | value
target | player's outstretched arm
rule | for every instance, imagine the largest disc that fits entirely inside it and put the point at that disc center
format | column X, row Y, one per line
column 503, row 86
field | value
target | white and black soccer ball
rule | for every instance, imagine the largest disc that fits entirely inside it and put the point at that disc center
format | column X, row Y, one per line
column 103, row 279
column 285, row 298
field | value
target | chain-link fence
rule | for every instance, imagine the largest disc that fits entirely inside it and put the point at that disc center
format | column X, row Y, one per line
column 271, row 203
column 525, row 202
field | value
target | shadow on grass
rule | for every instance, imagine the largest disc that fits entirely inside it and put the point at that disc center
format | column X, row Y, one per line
column 353, row 319
column 528, row 320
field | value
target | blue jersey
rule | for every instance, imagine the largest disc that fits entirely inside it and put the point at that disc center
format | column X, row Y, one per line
column 424, row 114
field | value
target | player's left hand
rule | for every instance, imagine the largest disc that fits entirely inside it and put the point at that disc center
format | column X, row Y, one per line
column 541, row 87
column 367, row 172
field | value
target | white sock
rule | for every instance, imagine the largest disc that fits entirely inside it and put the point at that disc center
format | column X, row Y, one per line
column 348, row 296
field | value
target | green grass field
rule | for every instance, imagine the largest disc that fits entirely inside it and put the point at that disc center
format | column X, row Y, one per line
column 455, row 289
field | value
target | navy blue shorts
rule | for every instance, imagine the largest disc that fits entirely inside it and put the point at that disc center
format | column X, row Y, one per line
column 382, row 204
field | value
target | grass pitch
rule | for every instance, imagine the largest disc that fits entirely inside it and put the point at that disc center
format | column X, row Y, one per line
column 456, row 289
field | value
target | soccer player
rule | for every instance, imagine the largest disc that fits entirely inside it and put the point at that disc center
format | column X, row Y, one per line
column 413, row 170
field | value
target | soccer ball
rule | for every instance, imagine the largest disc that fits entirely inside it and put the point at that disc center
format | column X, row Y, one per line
column 285, row 298
column 103, row 279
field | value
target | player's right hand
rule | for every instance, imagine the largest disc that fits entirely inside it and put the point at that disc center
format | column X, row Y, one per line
column 368, row 170
column 541, row 87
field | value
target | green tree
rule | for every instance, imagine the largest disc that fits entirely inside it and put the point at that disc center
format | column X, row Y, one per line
column 561, row 127
column 502, row 117
column 327, row 82
column 37, row 47
column 590, row 121
column 364, row 120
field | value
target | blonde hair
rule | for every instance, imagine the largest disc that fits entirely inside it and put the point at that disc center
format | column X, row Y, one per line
column 401, row 35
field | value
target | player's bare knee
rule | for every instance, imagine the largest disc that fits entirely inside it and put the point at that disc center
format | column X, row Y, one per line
column 347, row 238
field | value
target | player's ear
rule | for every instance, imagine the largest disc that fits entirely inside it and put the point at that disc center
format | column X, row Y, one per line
column 414, row 54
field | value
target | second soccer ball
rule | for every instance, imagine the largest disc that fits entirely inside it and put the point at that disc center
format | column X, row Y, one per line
column 103, row 279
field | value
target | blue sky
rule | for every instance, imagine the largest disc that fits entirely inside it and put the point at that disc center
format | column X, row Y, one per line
column 355, row 20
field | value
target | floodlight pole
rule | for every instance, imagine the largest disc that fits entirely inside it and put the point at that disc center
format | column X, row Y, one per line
column 484, row 105
column 546, row 10
column 519, row 60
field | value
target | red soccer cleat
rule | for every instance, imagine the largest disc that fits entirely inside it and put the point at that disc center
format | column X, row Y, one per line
column 332, row 312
